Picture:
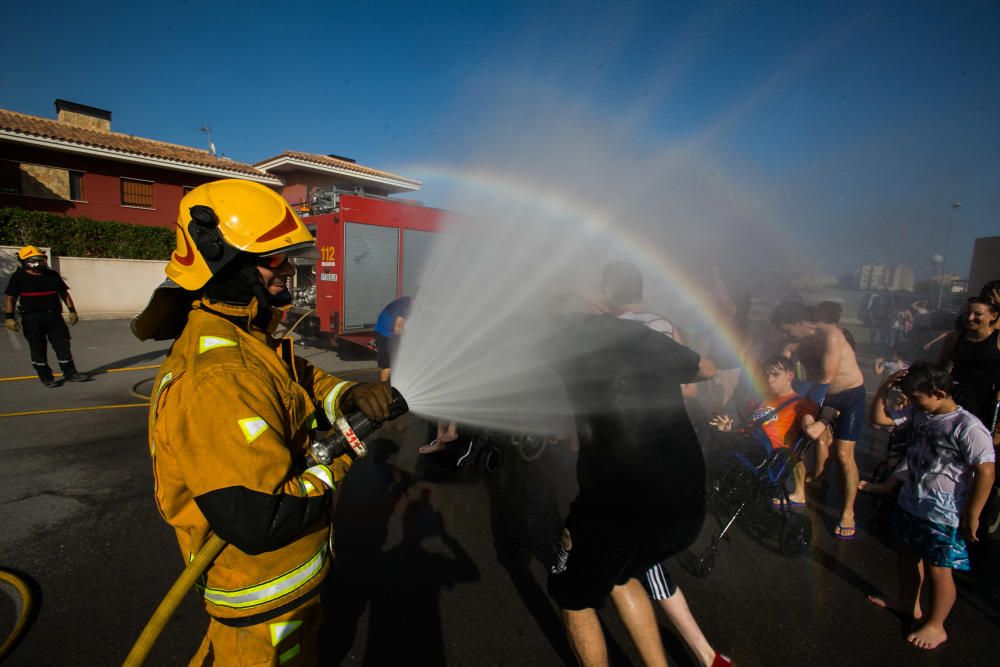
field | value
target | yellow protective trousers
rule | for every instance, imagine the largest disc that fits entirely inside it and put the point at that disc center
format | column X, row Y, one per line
column 289, row 640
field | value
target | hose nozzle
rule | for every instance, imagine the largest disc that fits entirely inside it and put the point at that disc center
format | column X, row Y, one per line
column 350, row 432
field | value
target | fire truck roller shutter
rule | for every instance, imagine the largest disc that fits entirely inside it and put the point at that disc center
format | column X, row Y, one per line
column 416, row 250
column 371, row 261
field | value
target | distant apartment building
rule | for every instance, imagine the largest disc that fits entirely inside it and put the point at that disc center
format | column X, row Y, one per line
column 76, row 165
column 873, row 277
column 904, row 278
column 900, row 277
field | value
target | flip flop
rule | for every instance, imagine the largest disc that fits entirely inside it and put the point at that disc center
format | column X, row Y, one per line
column 841, row 532
column 434, row 445
column 793, row 504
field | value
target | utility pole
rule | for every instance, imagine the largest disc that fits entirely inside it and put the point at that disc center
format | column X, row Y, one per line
column 944, row 258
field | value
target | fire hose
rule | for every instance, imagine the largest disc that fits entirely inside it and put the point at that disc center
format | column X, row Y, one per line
column 21, row 594
column 347, row 437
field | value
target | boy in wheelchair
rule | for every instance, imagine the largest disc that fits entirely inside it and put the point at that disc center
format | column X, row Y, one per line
column 749, row 466
column 776, row 422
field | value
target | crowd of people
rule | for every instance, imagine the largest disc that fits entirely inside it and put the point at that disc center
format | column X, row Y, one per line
column 946, row 483
column 242, row 470
column 893, row 321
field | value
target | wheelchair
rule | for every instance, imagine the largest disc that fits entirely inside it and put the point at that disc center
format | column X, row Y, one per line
column 753, row 493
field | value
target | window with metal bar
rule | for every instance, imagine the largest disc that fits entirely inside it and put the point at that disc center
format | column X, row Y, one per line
column 137, row 193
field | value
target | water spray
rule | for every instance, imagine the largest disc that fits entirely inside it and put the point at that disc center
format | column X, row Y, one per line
column 350, row 432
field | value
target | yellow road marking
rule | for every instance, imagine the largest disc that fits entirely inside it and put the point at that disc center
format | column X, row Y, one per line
column 122, row 405
column 92, row 407
column 110, row 370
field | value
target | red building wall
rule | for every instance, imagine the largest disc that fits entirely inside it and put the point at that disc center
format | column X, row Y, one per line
column 102, row 186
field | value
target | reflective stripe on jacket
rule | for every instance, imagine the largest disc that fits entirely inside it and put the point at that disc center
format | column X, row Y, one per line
column 229, row 428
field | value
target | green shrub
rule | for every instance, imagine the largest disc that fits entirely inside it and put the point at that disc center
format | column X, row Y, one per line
column 83, row 237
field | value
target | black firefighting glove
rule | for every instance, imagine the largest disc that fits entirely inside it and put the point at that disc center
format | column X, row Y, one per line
column 371, row 398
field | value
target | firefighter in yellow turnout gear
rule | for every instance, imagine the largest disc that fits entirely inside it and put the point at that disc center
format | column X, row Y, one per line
column 231, row 418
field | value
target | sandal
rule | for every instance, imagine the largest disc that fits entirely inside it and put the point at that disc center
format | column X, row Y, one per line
column 792, row 504
column 845, row 533
column 434, row 445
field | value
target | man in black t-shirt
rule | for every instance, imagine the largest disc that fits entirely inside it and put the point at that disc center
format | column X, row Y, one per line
column 640, row 471
column 41, row 292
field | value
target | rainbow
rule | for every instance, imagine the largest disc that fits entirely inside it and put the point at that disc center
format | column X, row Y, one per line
column 648, row 256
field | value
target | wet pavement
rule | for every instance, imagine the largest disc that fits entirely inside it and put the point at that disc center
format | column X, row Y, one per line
column 435, row 564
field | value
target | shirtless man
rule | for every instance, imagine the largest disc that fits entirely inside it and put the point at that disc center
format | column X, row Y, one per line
column 829, row 361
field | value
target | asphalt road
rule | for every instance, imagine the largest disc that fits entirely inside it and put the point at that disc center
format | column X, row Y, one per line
column 436, row 565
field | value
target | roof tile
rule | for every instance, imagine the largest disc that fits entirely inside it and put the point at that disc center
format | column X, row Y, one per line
column 336, row 163
column 20, row 123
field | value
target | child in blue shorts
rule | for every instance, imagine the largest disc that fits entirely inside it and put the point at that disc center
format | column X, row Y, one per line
column 946, row 479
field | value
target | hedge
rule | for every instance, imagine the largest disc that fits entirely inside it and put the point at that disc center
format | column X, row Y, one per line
column 83, row 237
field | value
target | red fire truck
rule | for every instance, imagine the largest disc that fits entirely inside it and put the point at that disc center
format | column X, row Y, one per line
column 369, row 251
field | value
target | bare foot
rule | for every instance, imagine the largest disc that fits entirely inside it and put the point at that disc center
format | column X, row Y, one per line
column 896, row 606
column 928, row 636
column 797, row 499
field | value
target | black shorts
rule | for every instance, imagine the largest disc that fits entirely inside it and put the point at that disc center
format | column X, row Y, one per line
column 385, row 350
column 851, row 404
column 605, row 553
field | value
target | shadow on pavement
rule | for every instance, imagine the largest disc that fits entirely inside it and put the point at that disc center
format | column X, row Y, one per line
column 400, row 587
column 128, row 361
column 525, row 522
column 405, row 617
column 368, row 498
column 835, row 567
column 981, row 587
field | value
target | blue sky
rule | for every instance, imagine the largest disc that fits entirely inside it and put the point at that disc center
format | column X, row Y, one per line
column 853, row 125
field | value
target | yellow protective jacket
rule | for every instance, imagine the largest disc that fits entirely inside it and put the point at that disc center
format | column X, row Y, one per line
column 228, row 432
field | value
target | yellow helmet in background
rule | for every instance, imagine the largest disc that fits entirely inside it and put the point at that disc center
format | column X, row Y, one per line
column 29, row 251
column 218, row 220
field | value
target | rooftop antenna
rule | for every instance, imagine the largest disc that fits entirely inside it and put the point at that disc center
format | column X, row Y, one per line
column 207, row 130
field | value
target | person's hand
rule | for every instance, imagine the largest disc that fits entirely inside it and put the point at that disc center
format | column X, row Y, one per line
column 813, row 428
column 721, row 422
column 73, row 318
column 371, row 398
column 970, row 526
column 894, row 379
column 12, row 325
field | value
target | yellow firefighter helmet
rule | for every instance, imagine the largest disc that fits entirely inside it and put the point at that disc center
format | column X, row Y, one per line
column 218, row 220
column 29, row 251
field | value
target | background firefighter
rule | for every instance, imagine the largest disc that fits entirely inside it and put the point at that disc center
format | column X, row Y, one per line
column 42, row 292
column 231, row 418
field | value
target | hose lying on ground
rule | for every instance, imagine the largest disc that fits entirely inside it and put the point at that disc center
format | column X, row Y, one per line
column 23, row 602
column 143, row 645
